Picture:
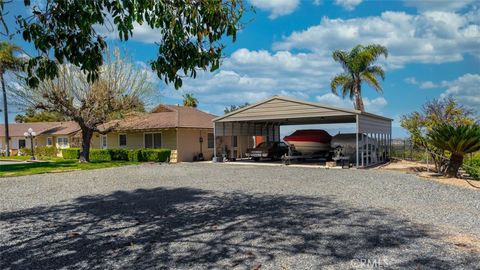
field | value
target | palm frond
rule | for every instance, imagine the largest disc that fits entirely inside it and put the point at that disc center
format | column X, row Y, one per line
column 341, row 80
column 377, row 71
column 372, row 81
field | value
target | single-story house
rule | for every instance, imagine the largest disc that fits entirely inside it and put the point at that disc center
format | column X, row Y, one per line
column 186, row 130
column 58, row 134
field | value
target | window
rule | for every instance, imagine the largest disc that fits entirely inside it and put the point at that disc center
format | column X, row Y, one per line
column 62, row 142
column 122, row 140
column 153, row 140
column 235, row 141
column 210, row 140
column 22, row 143
column 49, row 141
column 103, row 141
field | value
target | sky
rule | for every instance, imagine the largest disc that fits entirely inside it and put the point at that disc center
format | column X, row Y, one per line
column 284, row 48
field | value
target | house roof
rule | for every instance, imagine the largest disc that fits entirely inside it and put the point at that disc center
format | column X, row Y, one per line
column 41, row 128
column 165, row 116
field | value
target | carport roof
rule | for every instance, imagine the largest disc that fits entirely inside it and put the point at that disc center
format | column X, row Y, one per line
column 289, row 111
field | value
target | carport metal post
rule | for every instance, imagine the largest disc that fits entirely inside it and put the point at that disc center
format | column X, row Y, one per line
column 356, row 141
column 214, row 142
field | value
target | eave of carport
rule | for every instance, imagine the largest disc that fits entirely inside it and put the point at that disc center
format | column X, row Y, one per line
column 267, row 116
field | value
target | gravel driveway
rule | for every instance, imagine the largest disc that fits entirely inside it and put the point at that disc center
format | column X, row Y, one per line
column 220, row 216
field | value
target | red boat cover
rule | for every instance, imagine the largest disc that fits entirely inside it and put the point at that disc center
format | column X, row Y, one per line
column 309, row 135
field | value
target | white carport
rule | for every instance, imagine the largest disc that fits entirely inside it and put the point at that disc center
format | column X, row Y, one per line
column 265, row 118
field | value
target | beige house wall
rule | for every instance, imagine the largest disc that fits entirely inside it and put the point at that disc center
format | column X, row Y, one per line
column 135, row 139
column 189, row 144
column 39, row 141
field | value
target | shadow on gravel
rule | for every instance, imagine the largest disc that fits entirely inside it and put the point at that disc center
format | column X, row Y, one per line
column 185, row 228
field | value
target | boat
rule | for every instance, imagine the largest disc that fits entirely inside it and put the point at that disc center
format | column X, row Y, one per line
column 345, row 145
column 309, row 141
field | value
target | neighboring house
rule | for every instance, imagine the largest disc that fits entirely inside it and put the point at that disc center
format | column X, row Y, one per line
column 58, row 134
column 187, row 130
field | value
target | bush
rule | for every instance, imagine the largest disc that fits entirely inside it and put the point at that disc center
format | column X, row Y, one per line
column 157, row 155
column 119, row 154
column 40, row 151
column 473, row 166
column 135, row 155
column 71, row 153
column 99, row 155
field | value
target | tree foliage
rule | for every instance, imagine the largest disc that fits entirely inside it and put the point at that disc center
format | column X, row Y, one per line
column 65, row 31
column 358, row 67
column 458, row 141
column 433, row 114
column 190, row 100
column 32, row 115
column 120, row 87
column 233, row 108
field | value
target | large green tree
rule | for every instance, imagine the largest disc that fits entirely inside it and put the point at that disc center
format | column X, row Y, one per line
column 358, row 66
column 433, row 114
column 458, row 141
column 62, row 31
column 8, row 62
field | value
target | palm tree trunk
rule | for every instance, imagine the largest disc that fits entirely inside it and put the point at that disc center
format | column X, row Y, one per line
column 358, row 97
column 5, row 115
column 456, row 161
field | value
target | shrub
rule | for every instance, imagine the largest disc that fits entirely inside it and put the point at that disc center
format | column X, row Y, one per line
column 99, row 155
column 473, row 166
column 40, row 151
column 118, row 154
column 71, row 153
column 157, row 155
column 135, row 155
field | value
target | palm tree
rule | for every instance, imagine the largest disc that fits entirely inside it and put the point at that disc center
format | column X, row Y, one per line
column 358, row 66
column 190, row 101
column 8, row 62
column 458, row 140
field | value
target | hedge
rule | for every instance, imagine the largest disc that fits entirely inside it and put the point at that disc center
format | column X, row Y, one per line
column 136, row 155
column 473, row 166
column 157, row 155
column 71, row 153
column 119, row 154
column 100, row 155
column 40, row 151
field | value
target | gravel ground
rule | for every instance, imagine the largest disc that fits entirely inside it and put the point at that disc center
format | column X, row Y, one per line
column 220, row 216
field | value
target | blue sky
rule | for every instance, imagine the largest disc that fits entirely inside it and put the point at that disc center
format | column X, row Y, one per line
column 285, row 49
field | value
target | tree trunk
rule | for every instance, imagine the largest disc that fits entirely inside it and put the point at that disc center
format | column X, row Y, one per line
column 358, row 97
column 456, row 160
column 87, row 134
column 5, row 115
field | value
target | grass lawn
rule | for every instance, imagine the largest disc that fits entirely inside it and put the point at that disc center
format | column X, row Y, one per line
column 58, row 165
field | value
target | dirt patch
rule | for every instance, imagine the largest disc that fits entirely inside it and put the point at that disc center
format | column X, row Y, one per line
column 465, row 242
column 424, row 172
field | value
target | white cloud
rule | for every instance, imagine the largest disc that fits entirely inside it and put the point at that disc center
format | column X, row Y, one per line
column 141, row 33
column 465, row 90
column 348, row 4
column 371, row 105
column 442, row 5
column 249, row 76
column 430, row 37
column 277, row 8
column 428, row 85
